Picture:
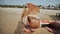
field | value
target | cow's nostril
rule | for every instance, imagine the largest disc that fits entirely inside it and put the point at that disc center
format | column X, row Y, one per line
column 28, row 19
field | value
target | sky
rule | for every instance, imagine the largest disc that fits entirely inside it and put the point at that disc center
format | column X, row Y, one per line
column 37, row 2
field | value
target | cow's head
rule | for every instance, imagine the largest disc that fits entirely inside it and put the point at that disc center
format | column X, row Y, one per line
column 33, row 21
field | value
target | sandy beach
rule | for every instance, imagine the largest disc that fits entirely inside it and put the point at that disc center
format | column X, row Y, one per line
column 10, row 20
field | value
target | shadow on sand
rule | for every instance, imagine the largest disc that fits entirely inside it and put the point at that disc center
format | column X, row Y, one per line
column 19, row 28
column 1, row 31
column 54, row 17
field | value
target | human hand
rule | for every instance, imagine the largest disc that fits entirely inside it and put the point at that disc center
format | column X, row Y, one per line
column 54, row 27
column 29, row 30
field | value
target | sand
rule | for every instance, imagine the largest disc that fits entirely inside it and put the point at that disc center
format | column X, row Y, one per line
column 10, row 20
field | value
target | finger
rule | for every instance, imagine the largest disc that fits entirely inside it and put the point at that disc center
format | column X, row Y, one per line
column 54, row 22
column 34, row 30
column 51, row 21
column 50, row 30
column 26, row 30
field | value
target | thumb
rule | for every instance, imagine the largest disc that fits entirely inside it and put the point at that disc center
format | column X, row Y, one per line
column 51, row 21
column 49, row 29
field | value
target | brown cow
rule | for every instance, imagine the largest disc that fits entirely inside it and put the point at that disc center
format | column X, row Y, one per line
column 30, row 10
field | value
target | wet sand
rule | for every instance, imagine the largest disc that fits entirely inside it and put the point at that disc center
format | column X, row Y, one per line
column 10, row 20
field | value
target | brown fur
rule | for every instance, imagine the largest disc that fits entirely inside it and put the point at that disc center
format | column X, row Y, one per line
column 31, row 9
column 34, row 22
